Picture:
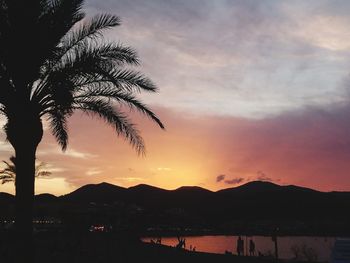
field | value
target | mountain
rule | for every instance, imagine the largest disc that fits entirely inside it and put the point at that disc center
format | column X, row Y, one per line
column 142, row 191
column 103, row 192
column 192, row 189
column 42, row 198
column 255, row 206
column 258, row 187
column 254, row 186
column 6, row 198
column 269, row 200
column 145, row 188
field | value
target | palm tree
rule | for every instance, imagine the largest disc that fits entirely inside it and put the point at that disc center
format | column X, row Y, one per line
column 54, row 62
column 8, row 174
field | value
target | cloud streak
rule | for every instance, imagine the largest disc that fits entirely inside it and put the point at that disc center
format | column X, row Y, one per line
column 235, row 181
column 220, row 178
column 261, row 176
column 250, row 59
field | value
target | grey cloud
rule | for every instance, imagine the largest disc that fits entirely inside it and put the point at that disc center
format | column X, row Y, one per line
column 235, row 181
column 220, row 178
column 240, row 58
column 261, row 176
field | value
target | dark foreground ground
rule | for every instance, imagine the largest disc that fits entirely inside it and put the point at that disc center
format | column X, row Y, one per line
column 105, row 247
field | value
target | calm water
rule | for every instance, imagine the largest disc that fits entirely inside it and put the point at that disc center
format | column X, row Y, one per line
column 288, row 247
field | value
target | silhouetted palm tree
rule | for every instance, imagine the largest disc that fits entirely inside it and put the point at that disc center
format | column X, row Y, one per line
column 52, row 63
column 8, row 174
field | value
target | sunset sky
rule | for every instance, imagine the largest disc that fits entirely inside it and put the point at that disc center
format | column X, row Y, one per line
column 248, row 90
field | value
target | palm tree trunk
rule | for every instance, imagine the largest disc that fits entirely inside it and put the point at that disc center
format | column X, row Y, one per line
column 25, row 176
column 24, row 131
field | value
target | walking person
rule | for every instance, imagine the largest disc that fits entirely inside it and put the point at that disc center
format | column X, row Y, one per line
column 240, row 246
column 251, row 248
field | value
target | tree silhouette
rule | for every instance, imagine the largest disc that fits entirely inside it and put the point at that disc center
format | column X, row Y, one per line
column 8, row 174
column 53, row 62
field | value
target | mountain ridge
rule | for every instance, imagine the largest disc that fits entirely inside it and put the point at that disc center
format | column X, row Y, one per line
column 253, row 185
column 256, row 207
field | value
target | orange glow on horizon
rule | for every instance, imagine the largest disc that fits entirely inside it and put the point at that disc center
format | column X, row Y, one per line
column 195, row 150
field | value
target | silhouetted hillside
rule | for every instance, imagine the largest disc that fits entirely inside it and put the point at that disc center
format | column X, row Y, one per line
column 255, row 206
column 255, row 186
column 192, row 189
column 146, row 189
column 6, row 198
column 46, row 198
column 103, row 192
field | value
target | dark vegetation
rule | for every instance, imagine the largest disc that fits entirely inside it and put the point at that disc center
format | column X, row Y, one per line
column 255, row 208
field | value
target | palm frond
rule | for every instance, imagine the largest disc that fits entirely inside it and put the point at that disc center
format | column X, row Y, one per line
column 40, row 170
column 122, row 97
column 118, row 120
column 64, row 10
column 122, row 79
column 92, row 58
column 129, row 80
column 8, row 174
column 94, row 64
column 104, row 52
column 57, row 17
column 2, row 110
column 58, row 124
column 5, row 180
column 10, row 167
column 87, row 31
column 43, row 173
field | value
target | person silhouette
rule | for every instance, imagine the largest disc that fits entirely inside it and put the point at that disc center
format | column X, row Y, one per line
column 251, row 248
column 182, row 243
column 240, row 246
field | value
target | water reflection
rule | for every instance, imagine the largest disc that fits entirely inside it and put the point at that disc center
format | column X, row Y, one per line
column 304, row 248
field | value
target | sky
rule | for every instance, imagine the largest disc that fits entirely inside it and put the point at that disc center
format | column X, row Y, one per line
column 248, row 90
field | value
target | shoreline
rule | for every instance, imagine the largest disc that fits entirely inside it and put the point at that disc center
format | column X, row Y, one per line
column 203, row 234
column 193, row 256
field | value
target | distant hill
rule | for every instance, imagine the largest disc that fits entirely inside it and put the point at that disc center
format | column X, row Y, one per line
column 6, row 198
column 46, row 198
column 256, row 204
column 145, row 188
column 266, row 187
column 103, row 192
column 258, row 186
